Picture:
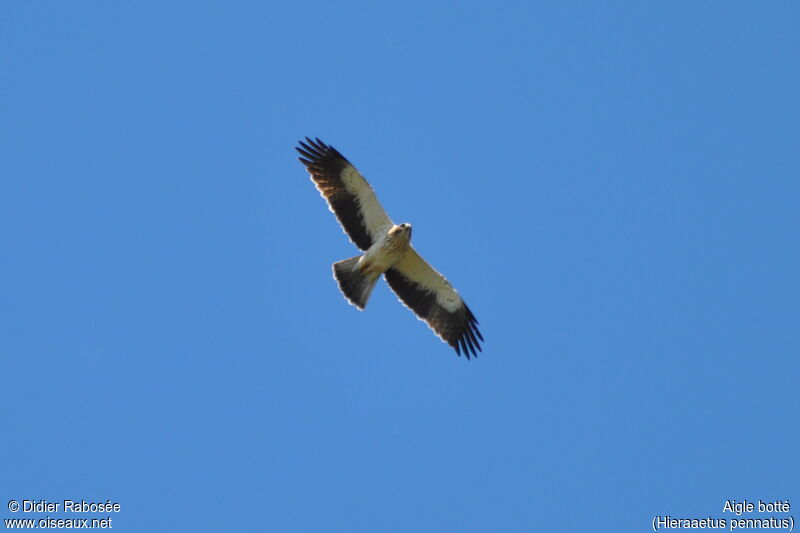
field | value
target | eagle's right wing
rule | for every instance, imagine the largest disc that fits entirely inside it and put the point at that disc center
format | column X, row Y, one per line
column 349, row 195
column 426, row 292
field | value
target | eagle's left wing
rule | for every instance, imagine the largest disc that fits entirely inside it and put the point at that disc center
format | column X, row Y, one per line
column 349, row 195
column 434, row 300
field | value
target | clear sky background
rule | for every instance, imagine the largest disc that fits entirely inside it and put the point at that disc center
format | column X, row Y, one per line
column 612, row 187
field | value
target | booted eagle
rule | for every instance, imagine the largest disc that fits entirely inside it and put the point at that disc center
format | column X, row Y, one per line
column 387, row 250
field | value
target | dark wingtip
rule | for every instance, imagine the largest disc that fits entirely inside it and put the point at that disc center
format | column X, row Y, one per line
column 316, row 150
column 311, row 145
column 461, row 346
column 468, row 341
column 470, row 336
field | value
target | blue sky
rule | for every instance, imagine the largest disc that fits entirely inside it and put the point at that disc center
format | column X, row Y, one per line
column 612, row 187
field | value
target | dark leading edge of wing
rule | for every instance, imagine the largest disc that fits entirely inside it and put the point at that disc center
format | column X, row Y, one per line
column 459, row 329
column 325, row 164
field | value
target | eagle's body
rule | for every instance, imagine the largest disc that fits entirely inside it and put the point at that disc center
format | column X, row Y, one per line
column 387, row 251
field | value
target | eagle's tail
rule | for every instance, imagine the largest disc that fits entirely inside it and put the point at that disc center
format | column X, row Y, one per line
column 355, row 284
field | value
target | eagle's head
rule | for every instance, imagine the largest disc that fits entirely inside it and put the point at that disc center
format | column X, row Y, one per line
column 401, row 230
column 405, row 227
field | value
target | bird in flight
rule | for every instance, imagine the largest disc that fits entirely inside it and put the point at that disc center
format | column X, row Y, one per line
column 387, row 250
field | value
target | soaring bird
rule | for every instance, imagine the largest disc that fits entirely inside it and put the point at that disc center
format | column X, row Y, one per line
column 387, row 250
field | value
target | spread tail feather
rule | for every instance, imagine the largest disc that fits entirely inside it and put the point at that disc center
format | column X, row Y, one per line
column 354, row 284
